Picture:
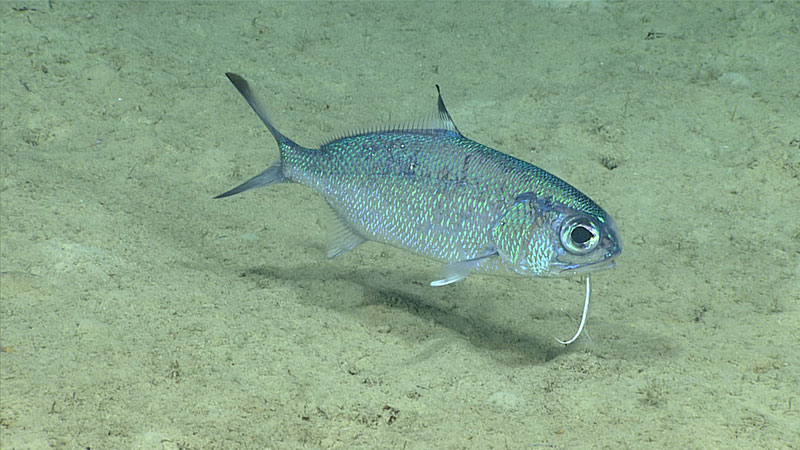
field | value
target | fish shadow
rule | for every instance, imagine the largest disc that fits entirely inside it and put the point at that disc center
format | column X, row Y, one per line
column 508, row 345
column 457, row 307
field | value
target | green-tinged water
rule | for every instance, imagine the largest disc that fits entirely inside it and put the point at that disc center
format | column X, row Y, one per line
column 138, row 312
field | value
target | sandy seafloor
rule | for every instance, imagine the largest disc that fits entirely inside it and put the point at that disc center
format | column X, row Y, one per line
column 137, row 312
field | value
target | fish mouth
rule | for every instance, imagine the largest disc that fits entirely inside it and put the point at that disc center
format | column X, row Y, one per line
column 596, row 266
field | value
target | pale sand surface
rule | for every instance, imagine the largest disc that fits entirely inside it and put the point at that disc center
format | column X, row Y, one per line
column 137, row 312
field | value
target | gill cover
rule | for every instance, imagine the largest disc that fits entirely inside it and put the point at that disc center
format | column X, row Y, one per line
column 522, row 236
column 539, row 236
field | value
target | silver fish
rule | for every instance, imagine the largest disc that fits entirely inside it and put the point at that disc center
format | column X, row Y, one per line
column 426, row 188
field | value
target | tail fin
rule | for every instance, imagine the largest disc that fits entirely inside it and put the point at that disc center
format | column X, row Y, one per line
column 273, row 174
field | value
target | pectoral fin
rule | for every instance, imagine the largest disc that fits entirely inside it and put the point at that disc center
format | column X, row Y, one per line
column 458, row 270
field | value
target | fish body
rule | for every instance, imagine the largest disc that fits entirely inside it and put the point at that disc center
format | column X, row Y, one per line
column 426, row 188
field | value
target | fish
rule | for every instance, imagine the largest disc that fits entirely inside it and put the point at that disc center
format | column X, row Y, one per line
column 424, row 187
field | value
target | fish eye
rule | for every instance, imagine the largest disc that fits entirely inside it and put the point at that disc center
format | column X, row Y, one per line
column 579, row 235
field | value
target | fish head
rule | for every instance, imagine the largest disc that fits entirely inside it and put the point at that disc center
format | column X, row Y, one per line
column 541, row 236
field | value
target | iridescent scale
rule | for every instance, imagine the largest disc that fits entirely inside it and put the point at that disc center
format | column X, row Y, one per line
column 430, row 191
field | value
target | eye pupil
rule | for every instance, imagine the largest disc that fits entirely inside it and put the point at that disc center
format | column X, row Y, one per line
column 580, row 235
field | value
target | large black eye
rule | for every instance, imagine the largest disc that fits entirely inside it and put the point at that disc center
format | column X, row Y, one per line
column 579, row 235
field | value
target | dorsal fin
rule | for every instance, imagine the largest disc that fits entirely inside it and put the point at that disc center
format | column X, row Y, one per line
column 436, row 122
column 444, row 116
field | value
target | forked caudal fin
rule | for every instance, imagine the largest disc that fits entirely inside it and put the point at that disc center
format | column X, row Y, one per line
column 243, row 87
column 274, row 173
